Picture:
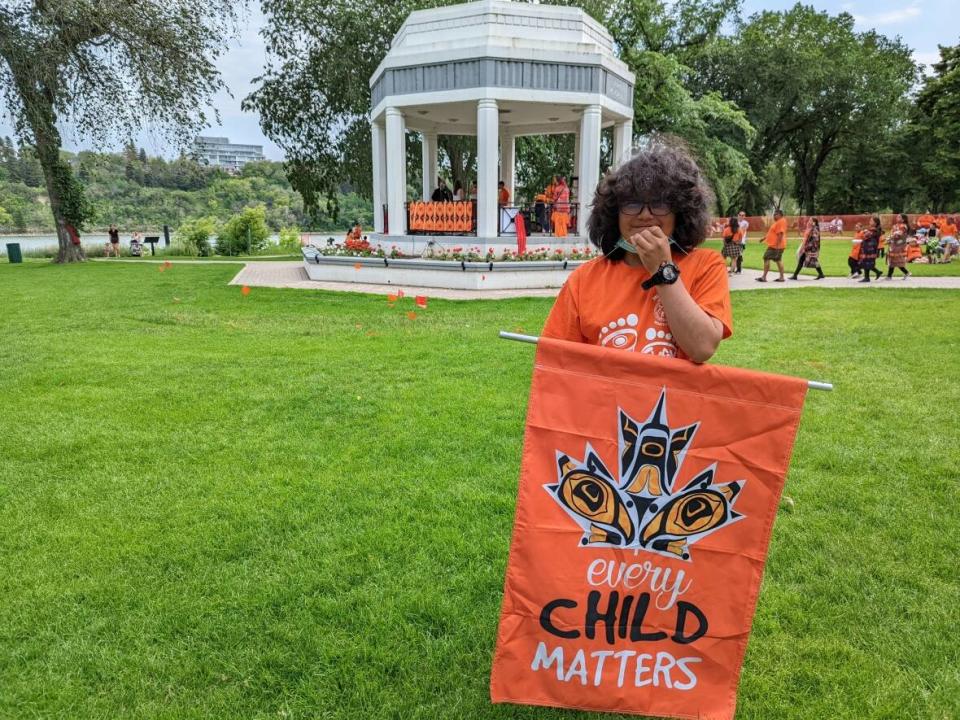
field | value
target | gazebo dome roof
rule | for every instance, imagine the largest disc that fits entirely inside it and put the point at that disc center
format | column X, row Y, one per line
column 502, row 50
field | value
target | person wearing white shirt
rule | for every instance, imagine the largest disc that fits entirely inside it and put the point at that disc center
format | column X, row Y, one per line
column 743, row 226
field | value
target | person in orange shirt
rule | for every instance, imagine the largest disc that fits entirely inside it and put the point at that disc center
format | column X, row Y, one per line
column 776, row 240
column 653, row 290
column 503, row 195
column 948, row 239
column 560, row 218
column 355, row 234
column 853, row 260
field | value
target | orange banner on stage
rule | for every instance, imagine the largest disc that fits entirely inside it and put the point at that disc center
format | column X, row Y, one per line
column 648, row 490
column 446, row 217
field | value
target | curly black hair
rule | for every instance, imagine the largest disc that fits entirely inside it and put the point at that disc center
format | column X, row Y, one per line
column 663, row 171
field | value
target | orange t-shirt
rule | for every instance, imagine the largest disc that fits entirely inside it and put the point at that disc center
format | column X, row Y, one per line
column 779, row 226
column 925, row 221
column 948, row 229
column 504, row 196
column 603, row 303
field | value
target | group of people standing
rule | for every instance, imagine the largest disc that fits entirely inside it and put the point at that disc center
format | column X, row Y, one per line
column 552, row 207
column 904, row 245
column 735, row 240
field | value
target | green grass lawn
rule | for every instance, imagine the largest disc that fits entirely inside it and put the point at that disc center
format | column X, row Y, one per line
column 298, row 504
column 833, row 257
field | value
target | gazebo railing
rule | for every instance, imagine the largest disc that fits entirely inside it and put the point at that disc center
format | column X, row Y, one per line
column 537, row 216
column 460, row 218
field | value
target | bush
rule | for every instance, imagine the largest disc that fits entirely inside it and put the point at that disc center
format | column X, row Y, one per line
column 193, row 236
column 290, row 239
column 245, row 233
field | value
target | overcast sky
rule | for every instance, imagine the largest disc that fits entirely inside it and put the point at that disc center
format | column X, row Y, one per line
column 921, row 24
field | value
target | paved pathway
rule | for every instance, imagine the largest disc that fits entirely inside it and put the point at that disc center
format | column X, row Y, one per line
column 292, row 275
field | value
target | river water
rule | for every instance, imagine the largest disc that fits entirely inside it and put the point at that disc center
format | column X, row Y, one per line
column 39, row 242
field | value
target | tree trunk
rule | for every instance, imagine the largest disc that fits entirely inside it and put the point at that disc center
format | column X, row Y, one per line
column 49, row 155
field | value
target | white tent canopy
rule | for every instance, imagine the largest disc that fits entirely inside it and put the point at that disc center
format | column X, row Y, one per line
column 497, row 70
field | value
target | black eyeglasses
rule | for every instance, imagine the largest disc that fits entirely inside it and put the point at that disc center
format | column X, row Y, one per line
column 657, row 207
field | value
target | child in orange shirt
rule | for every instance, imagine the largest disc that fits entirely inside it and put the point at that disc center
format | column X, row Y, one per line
column 948, row 239
column 665, row 296
column 853, row 261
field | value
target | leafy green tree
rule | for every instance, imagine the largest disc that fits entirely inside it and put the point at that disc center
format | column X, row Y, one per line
column 193, row 235
column 316, row 106
column 17, row 220
column 326, row 139
column 933, row 134
column 5, row 218
column 104, row 67
column 660, row 42
column 290, row 239
column 245, row 233
column 809, row 84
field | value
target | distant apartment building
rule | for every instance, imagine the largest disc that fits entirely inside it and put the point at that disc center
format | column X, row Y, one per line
column 220, row 152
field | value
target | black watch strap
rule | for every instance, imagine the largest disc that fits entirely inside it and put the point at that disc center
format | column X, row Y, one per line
column 657, row 277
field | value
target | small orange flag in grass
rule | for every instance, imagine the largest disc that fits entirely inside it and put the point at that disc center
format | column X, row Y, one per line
column 421, row 301
column 411, row 315
column 245, row 290
column 167, row 264
column 391, row 298
column 647, row 494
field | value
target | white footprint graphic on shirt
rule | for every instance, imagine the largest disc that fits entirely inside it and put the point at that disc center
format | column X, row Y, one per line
column 659, row 342
column 620, row 333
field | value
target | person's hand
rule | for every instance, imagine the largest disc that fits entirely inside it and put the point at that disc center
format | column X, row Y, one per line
column 653, row 247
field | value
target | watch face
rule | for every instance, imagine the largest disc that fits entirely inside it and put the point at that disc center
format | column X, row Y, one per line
column 669, row 273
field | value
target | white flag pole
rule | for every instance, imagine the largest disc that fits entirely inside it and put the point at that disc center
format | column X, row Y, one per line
column 812, row 384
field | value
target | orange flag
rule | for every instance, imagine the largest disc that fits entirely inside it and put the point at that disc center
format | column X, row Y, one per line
column 521, row 225
column 648, row 490
column 421, row 301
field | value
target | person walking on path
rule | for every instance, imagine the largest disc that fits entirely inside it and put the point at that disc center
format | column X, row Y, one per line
column 114, row 246
column 897, row 250
column 869, row 249
column 744, row 225
column 732, row 249
column 948, row 239
column 853, row 260
column 810, row 251
column 776, row 240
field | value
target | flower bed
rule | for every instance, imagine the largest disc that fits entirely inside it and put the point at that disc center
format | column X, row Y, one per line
column 453, row 269
column 363, row 249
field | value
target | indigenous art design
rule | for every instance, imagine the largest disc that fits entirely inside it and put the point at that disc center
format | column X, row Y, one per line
column 643, row 507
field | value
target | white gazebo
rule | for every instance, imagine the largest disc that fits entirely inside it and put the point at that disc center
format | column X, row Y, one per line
column 497, row 70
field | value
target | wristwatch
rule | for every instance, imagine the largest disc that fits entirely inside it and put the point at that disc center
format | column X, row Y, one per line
column 666, row 274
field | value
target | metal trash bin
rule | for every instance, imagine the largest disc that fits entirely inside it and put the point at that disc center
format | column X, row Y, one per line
column 13, row 253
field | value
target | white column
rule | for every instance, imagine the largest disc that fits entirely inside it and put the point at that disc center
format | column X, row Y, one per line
column 429, row 163
column 379, row 143
column 488, row 120
column 622, row 142
column 396, row 172
column 589, row 162
column 508, row 162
